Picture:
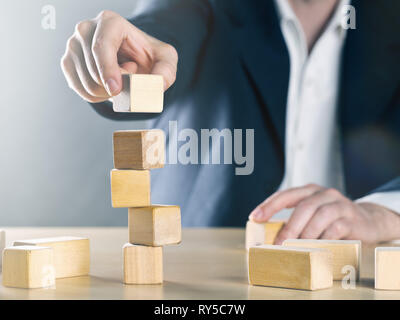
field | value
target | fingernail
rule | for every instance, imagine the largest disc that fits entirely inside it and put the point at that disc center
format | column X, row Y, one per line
column 111, row 86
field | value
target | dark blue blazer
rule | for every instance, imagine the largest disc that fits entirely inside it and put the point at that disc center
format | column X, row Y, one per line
column 233, row 73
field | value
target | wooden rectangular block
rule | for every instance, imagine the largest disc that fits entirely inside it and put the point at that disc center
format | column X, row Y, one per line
column 130, row 188
column 28, row 267
column 2, row 244
column 142, row 264
column 140, row 93
column 262, row 233
column 139, row 149
column 71, row 254
column 345, row 253
column 387, row 268
column 155, row 225
column 290, row 267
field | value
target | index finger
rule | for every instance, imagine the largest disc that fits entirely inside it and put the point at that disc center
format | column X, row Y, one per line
column 106, row 41
column 115, row 36
column 282, row 200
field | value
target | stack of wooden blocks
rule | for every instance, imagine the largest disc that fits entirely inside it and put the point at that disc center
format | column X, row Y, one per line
column 297, row 264
column 136, row 152
column 312, row 264
column 37, row 263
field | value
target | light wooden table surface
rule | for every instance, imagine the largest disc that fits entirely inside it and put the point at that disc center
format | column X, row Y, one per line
column 208, row 264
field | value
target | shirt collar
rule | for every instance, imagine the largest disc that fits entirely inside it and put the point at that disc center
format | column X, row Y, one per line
column 284, row 10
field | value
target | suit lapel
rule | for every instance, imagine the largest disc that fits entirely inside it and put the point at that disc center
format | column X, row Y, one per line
column 370, row 65
column 369, row 79
column 266, row 61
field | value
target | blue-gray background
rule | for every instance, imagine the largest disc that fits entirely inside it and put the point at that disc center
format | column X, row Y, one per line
column 56, row 152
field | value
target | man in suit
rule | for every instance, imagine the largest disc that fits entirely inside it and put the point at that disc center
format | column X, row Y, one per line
column 323, row 100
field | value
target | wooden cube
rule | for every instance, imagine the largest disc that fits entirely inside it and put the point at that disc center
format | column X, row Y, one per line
column 28, row 267
column 155, row 225
column 71, row 254
column 387, row 268
column 140, row 93
column 142, row 264
column 290, row 267
column 130, row 188
column 344, row 253
column 139, row 149
column 2, row 244
column 262, row 233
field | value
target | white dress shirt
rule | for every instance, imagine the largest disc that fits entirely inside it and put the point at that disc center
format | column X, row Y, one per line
column 312, row 146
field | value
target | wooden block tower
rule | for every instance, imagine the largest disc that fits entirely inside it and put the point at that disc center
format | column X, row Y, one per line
column 136, row 152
